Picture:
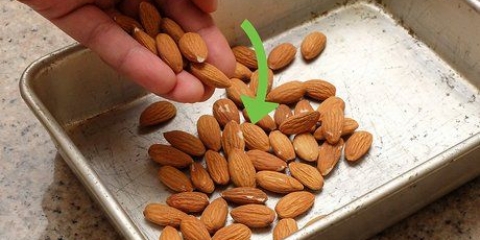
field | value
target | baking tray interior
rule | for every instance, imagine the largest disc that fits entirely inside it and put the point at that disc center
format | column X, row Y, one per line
column 415, row 93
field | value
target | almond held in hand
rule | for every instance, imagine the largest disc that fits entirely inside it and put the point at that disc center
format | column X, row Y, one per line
column 169, row 52
column 210, row 75
column 193, row 47
column 150, row 18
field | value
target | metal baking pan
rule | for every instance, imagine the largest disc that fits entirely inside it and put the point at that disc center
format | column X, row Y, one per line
column 409, row 72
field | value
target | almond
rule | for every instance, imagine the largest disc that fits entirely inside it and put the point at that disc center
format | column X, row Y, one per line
column 255, row 137
column 307, row 175
column 127, row 23
column 281, row 56
column 237, row 90
column 278, row 182
column 175, row 179
column 171, row 28
column 215, row 215
column 245, row 56
column 253, row 215
column 185, row 142
column 225, row 110
column 209, row 132
column 358, row 145
column 319, row 89
column 201, row 179
column 189, row 202
column 193, row 47
column 169, row 52
column 210, row 75
column 287, row 93
column 232, row 138
column 254, row 81
column 170, row 233
column 217, row 166
column 266, row 123
column 163, row 215
column 282, row 113
column 312, row 45
column 241, row 169
column 242, row 72
column 294, row 204
column 328, row 104
column 306, row 147
column 349, row 126
column 281, row 145
column 328, row 156
column 245, row 195
column 332, row 124
column 169, row 156
column 303, row 106
column 266, row 161
column 194, row 229
column 284, row 228
column 145, row 40
column 299, row 123
column 150, row 18
column 235, row 231
column 157, row 112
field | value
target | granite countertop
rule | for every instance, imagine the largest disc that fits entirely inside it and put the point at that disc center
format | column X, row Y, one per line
column 42, row 199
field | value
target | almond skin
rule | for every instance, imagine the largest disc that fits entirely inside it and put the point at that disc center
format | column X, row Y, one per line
column 254, row 81
column 189, row 202
column 169, row 52
column 349, row 126
column 193, row 47
column 287, row 93
column 225, row 110
column 281, row 145
column 163, row 215
column 217, row 166
column 266, row 123
column 306, row 147
column 294, row 204
column 201, row 179
column 242, row 72
column 328, row 156
column 255, row 137
column 232, row 138
column 194, row 229
column 332, row 124
column 174, row 179
column 209, row 132
column 266, row 161
column 171, row 28
column 170, row 233
column 127, row 23
column 169, row 156
column 145, row 40
column 185, row 142
column 319, row 89
column 299, row 123
column 215, row 215
column 235, row 231
column 157, row 113
column 210, row 75
column 358, row 145
column 281, row 56
column 150, row 18
column 330, row 103
column 282, row 113
column 241, row 169
column 253, row 215
column 309, row 176
column 237, row 90
column 244, row 195
column 303, row 106
column 312, row 45
column 245, row 56
column 278, row 182
column 284, row 228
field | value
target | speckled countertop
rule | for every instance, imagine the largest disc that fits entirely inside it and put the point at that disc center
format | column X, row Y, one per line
column 40, row 198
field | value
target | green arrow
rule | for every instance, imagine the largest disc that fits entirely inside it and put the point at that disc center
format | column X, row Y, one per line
column 256, row 107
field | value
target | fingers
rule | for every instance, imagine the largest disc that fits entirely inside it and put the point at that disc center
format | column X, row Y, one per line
column 207, row 6
column 189, row 89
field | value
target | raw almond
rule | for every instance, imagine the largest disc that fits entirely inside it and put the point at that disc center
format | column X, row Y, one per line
column 242, row 72
column 254, row 81
column 281, row 56
column 193, row 47
column 169, row 52
column 237, row 90
column 358, row 145
column 215, row 215
column 209, row 132
column 312, row 45
column 185, row 142
column 201, row 179
column 281, row 145
column 235, row 231
column 282, row 113
column 217, row 166
column 266, row 123
column 127, row 23
column 150, row 18
column 287, row 93
column 328, row 156
column 266, row 161
column 175, row 179
column 225, row 110
column 146, row 40
column 306, row 147
column 194, row 229
column 328, row 104
column 244, row 195
column 284, row 228
column 319, row 89
column 303, row 106
column 245, row 56
column 156, row 113
column 171, row 28
column 255, row 137
column 299, row 123
column 170, row 233
column 163, row 215
column 241, row 169
column 189, row 202
column 294, row 204
column 169, row 156
column 232, row 138
column 349, row 126
column 278, row 182
column 332, row 125
column 210, row 75
column 253, row 215
column 309, row 176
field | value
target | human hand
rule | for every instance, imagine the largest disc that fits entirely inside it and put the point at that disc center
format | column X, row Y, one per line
column 88, row 22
